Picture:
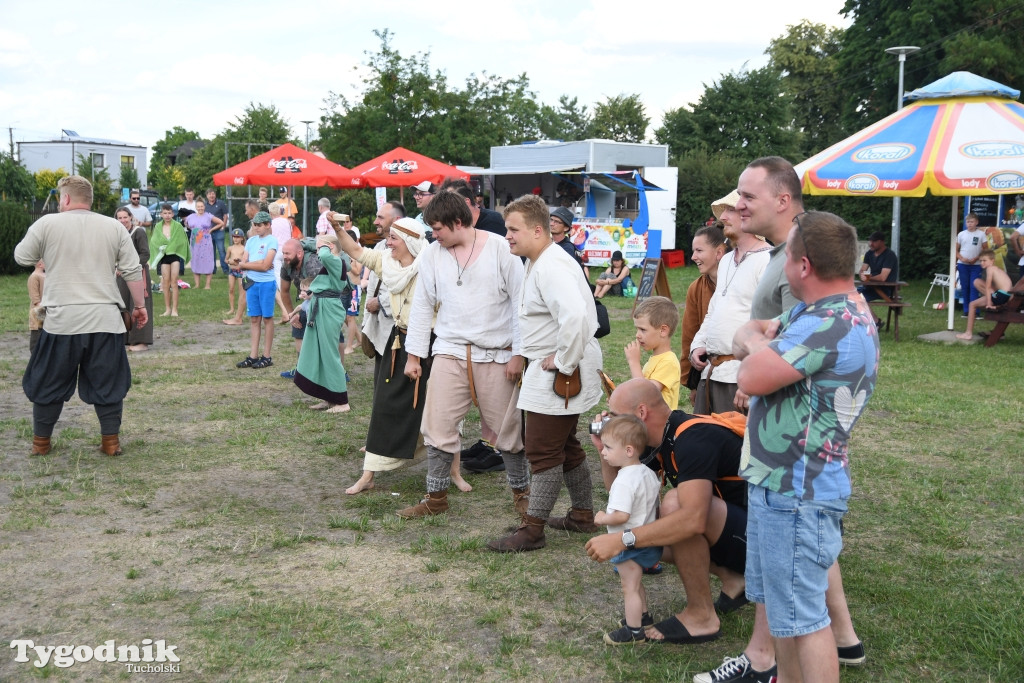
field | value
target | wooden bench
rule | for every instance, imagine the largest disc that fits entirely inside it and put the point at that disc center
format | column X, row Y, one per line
column 1004, row 315
column 894, row 303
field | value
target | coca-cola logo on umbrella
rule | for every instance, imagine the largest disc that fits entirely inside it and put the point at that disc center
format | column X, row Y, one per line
column 399, row 166
column 287, row 165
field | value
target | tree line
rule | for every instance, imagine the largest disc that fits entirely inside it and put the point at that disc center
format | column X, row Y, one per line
column 820, row 85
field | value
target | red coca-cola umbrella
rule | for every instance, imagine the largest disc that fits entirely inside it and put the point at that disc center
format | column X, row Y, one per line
column 402, row 168
column 286, row 165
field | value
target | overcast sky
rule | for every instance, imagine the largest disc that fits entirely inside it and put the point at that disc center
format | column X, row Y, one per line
column 131, row 71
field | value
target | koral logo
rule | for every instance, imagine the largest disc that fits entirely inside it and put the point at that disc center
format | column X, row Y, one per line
column 862, row 184
column 1006, row 181
column 399, row 166
column 287, row 165
column 883, row 153
column 992, row 149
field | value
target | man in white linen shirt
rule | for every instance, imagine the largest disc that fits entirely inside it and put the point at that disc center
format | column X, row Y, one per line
column 729, row 309
column 472, row 282
column 557, row 322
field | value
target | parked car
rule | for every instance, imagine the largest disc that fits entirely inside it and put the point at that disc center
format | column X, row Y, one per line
column 154, row 209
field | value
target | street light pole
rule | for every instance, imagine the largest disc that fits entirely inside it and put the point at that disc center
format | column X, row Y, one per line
column 305, row 196
column 901, row 51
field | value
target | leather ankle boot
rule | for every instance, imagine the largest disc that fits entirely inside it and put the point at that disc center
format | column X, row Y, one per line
column 529, row 536
column 111, row 444
column 434, row 504
column 580, row 521
column 40, row 445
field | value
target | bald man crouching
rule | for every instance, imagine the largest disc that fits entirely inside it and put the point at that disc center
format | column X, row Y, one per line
column 703, row 518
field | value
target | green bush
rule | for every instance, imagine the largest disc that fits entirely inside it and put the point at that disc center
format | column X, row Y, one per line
column 14, row 221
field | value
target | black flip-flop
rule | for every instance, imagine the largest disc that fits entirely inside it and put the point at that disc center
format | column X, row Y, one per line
column 674, row 632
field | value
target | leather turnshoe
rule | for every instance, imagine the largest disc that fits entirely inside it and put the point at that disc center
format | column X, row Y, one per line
column 529, row 536
column 580, row 521
column 435, row 503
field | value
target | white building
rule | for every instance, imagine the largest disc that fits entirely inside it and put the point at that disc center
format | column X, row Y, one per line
column 50, row 155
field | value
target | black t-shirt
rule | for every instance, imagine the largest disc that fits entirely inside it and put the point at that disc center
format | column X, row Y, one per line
column 567, row 246
column 878, row 263
column 491, row 221
column 704, row 451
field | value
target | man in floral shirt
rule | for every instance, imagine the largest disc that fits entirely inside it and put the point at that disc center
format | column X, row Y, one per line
column 811, row 372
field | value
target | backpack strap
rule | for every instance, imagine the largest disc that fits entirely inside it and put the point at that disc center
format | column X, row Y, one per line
column 733, row 421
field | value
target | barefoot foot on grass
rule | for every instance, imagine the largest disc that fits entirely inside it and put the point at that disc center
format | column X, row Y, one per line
column 363, row 484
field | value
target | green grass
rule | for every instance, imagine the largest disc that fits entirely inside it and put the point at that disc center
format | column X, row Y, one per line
column 225, row 529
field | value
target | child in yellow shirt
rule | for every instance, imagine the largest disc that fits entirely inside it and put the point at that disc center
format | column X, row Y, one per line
column 656, row 320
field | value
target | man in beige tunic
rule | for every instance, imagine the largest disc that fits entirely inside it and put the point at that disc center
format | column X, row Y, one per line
column 83, row 334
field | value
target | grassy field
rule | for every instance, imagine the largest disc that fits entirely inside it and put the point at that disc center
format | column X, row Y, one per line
column 225, row 531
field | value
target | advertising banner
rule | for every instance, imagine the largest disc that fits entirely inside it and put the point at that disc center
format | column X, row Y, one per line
column 597, row 239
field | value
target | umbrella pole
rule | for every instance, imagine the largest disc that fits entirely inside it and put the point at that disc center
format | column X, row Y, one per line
column 953, row 222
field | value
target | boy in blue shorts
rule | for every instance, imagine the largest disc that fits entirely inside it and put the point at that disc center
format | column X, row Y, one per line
column 632, row 502
column 258, row 265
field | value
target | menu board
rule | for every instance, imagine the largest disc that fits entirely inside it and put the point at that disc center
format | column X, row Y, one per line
column 987, row 209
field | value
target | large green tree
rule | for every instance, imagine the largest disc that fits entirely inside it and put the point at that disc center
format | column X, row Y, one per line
column 748, row 115
column 806, row 58
column 259, row 123
column 981, row 36
column 621, row 118
column 407, row 104
column 568, row 121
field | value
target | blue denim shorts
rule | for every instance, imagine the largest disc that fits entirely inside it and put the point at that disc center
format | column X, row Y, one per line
column 259, row 299
column 645, row 557
column 791, row 544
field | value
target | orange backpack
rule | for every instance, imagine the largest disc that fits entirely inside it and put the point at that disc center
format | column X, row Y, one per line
column 732, row 420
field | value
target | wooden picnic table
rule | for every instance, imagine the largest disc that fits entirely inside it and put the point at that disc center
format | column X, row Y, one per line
column 893, row 302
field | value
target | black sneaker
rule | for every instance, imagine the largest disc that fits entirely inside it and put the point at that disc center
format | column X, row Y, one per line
column 247, row 363
column 263, row 362
column 625, row 635
column 478, row 450
column 852, row 655
column 736, row 670
column 645, row 620
column 490, row 462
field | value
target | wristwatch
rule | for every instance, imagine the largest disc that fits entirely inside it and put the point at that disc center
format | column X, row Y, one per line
column 628, row 539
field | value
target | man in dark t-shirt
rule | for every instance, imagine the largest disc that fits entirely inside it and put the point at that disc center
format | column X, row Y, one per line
column 880, row 265
column 703, row 518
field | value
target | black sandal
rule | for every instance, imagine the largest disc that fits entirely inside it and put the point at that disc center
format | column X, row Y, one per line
column 247, row 363
column 263, row 362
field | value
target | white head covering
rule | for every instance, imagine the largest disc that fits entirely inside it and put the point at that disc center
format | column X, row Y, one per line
column 396, row 276
column 412, row 233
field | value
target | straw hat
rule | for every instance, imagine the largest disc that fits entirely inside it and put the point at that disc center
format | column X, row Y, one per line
column 728, row 201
